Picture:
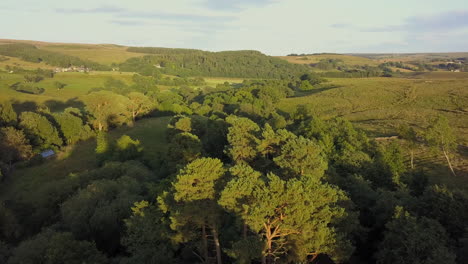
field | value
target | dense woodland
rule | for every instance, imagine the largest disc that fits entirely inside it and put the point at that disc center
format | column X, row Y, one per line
column 239, row 182
column 185, row 62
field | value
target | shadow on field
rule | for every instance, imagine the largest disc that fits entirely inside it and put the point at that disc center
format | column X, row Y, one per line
column 24, row 106
column 59, row 106
column 317, row 90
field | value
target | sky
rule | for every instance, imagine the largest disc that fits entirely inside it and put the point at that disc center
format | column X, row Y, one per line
column 274, row 27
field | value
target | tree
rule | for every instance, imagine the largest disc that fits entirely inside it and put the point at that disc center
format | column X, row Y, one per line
column 148, row 236
column 72, row 127
column 96, row 212
column 449, row 208
column 59, row 85
column 107, row 108
column 410, row 136
column 50, row 247
column 14, row 145
column 183, row 149
column 306, row 86
column 302, row 157
column 194, row 203
column 413, row 241
column 139, row 104
column 126, row 149
column 40, row 131
column 242, row 139
column 8, row 115
column 103, row 148
column 300, row 214
column 440, row 135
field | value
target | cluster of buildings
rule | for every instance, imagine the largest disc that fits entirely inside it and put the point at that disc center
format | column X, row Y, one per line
column 73, row 69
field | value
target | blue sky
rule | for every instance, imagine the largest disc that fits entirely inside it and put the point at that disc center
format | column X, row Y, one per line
column 275, row 27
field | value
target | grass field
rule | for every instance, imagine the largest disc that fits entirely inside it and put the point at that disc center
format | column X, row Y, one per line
column 82, row 157
column 12, row 61
column 103, row 54
column 380, row 105
column 347, row 59
column 78, row 84
column 409, row 57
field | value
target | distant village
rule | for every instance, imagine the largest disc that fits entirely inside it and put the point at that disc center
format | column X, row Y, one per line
column 73, row 69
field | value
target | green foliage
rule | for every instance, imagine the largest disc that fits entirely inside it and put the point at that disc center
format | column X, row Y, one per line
column 27, row 88
column 389, row 165
column 102, row 147
column 291, row 214
column 40, row 131
column 107, row 108
column 412, row 240
column 197, row 180
column 14, row 145
column 59, row 85
column 241, row 138
column 449, row 208
column 305, row 86
column 440, row 134
column 139, row 104
column 183, row 62
column 50, row 247
column 147, row 236
column 183, row 149
column 193, row 204
column 8, row 115
column 126, row 149
column 96, row 212
column 302, row 157
column 72, row 127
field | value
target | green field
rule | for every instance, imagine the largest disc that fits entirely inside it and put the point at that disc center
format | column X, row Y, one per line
column 347, row 59
column 380, row 105
column 104, row 54
column 78, row 84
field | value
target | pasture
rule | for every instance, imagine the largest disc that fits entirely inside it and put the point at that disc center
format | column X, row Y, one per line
column 347, row 59
column 104, row 54
column 380, row 105
column 78, row 84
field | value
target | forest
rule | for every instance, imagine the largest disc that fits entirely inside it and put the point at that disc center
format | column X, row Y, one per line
column 234, row 178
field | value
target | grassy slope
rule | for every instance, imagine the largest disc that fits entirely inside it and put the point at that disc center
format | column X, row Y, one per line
column 81, row 157
column 12, row 61
column 347, row 59
column 380, row 105
column 104, row 54
column 78, row 84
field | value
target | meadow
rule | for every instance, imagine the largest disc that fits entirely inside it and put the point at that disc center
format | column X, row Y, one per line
column 380, row 105
column 347, row 59
column 77, row 84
